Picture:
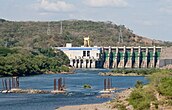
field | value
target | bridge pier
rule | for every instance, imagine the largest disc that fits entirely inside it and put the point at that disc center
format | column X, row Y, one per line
column 81, row 63
column 139, row 59
column 71, row 62
column 146, row 58
column 154, row 56
column 116, row 56
column 107, row 58
column 77, row 63
column 84, row 63
column 93, row 63
column 124, row 57
column 131, row 58
column 87, row 63
column 90, row 63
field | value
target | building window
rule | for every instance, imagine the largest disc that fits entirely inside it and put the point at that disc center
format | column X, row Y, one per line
column 84, row 53
column 88, row 53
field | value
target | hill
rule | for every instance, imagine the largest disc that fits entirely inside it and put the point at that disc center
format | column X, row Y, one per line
column 37, row 34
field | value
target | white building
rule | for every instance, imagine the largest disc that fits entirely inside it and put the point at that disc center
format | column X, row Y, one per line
column 81, row 57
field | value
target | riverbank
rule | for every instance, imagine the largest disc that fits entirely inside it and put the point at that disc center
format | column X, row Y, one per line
column 115, row 104
column 119, row 74
column 32, row 91
column 130, row 72
column 71, row 71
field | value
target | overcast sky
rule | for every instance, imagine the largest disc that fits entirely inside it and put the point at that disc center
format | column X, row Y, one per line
column 149, row 18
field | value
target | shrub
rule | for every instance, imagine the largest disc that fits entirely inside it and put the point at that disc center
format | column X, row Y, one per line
column 140, row 99
column 121, row 107
column 160, row 81
column 64, row 68
column 139, row 84
column 87, row 86
column 165, row 86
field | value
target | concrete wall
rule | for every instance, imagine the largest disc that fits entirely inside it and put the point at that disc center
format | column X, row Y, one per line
column 166, row 56
column 166, row 53
column 165, row 62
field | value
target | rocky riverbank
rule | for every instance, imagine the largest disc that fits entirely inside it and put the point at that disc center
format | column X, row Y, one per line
column 32, row 91
column 115, row 104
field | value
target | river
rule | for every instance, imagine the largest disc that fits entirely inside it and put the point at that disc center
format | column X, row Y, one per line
column 76, row 93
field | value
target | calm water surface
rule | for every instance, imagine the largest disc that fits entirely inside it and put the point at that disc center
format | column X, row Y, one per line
column 76, row 94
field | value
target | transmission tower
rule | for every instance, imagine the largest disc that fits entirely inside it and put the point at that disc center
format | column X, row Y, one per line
column 120, row 37
column 48, row 29
column 61, row 27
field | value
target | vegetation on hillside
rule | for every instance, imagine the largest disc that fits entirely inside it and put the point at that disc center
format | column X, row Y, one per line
column 20, row 62
column 33, row 35
column 157, row 94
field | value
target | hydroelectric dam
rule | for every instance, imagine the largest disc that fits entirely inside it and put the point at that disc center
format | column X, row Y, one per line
column 113, row 57
column 117, row 57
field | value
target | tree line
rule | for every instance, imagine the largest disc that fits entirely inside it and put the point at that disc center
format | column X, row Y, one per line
column 20, row 62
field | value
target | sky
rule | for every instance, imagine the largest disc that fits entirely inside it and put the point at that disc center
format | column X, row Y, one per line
column 148, row 18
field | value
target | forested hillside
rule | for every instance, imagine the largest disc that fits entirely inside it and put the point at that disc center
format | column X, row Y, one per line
column 21, row 62
column 37, row 34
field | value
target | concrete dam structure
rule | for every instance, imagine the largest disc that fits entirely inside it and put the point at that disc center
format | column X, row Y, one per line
column 113, row 57
column 130, row 57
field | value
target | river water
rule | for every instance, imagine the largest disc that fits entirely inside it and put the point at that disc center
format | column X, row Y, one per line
column 76, row 93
